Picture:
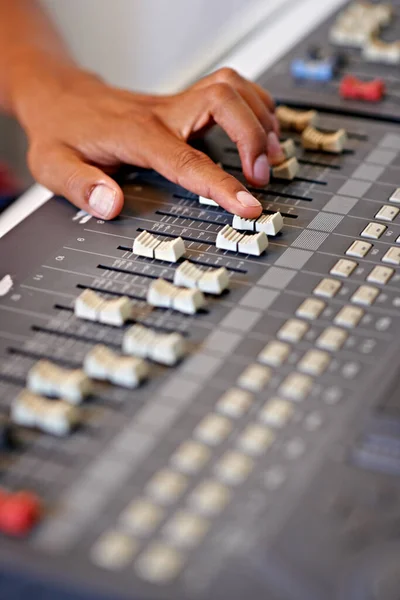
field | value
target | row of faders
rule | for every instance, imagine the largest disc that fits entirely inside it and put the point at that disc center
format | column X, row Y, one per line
column 360, row 25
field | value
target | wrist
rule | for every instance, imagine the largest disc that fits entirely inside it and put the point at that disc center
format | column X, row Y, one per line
column 38, row 79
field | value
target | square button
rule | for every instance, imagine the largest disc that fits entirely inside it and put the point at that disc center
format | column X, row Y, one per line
column 395, row 197
column 327, row 288
column 332, row 339
column 365, row 295
column 166, row 486
column 387, row 213
column 256, row 439
column 380, row 275
column 159, row 564
column 314, row 362
column 255, row 378
column 359, row 249
column 349, row 316
column 274, row 354
column 392, row 256
column 296, row 386
column 311, row 308
column 186, row 529
column 373, row 231
column 234, row 403
column 141, row 517
column 213, row 429
column 190, row 457
column 209, row 497
column 343, row 267
column 234, row 468
column 293, row 330
column 277, row 412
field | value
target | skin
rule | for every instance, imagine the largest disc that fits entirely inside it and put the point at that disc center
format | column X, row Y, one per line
column 80, row 129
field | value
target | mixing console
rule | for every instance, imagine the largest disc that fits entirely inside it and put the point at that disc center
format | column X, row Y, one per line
column 197, row 406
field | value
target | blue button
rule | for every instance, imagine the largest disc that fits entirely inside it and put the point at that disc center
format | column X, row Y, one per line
column 314, row 70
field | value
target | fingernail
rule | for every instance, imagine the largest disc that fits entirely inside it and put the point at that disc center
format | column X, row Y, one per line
column 102, row 200
column 261, row 169
column 246, row 199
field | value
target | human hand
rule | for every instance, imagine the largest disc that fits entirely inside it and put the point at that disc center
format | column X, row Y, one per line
column 80, row 128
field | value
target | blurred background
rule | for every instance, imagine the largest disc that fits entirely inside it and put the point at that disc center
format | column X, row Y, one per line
column 146, row 45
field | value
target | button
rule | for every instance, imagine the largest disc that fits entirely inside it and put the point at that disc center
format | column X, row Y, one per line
column 395, row 197
column 256, row 440
column 293, row 330
column 213, row 281
column 207, row 201
column 234, row 468
column 149, row 246
column 162, row 294
column 49, row 379
column 87, row 305
column 380, row 275
column 365, row 295
column 19, row 512
column 209, row 497
column 359, row 249
column 313, row 139
column 373, row 231
column 314, row 362
column 231, row 239
column 392, row 256
column 296, row 120
column 255, row 378
column 349, row 316
column 269, row 224
column 213, row 429
column 166, row 486
column 274, row 354
column 387, row 213
column 277, row 412
column 115, row 312
column 286, row 170
column 296, row 386
column 104, row 364
column 114, row 551
column 141, row 517
column 311, row 308
column 353, row 88
column 332, row 339
column 327, row 288
column 190, row 457
column 186, row 529
column 55, row 417
column 235, row 403
column 164, row 348
column 288, row 148
column 343, row 268
column 159, row 564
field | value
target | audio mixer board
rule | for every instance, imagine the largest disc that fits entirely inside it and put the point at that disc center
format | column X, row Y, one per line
column 260, row 454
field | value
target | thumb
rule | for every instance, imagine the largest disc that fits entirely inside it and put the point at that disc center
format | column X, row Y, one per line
column 64, row 172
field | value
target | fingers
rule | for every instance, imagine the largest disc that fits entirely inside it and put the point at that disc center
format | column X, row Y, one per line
column 194, row 171
column 256, row 168
column 64, row 172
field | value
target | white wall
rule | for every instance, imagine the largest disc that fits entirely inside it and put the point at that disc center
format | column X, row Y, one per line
column 153, row 44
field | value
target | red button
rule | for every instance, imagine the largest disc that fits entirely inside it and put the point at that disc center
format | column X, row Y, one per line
column 19, row 512
column 356, row 89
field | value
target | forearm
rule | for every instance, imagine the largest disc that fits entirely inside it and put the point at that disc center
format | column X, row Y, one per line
column 30, row 49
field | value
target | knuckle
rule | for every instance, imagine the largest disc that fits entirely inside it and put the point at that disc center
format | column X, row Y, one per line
column 228, row 75
column 37, row 160
column 221, row 92
column 188, row 159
